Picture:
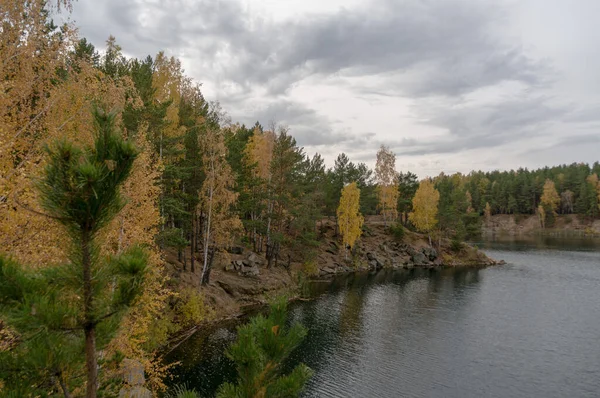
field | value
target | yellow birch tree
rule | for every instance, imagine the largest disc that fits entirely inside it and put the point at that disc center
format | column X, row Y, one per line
column 349, row 219
column 425, row 208
column 550, row 197
column 217, row 198
column 258, row 156
column 387, row 186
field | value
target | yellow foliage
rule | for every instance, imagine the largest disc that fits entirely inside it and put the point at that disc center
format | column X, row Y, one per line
column 550, row 197
column 310, row 268
column 487, row 212
column 217, row 196
column 387, row 187
column 259, row 152
column 350, row 220
column 593, row 181
column 542, row 216
column 190, row 308
column 425, row 207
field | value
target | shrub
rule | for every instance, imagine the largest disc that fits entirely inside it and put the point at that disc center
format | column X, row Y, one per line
column 397, row 231
column 456, row 245
column 310, row 268
column 190, row 308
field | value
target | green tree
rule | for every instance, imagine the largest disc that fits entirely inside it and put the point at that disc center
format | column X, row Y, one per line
column 407, row 185
column 261, row 347
column 68, row 310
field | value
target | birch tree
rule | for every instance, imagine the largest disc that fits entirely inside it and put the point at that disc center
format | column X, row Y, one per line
column 217, row 198
column 387, row 186
column 349, row 219
column 425, row 208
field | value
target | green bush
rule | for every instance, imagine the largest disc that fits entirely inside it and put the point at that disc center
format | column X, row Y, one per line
column 456, row 245
column 397, row 231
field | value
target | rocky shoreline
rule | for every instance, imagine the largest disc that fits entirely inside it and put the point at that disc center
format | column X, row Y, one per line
column 241, row 279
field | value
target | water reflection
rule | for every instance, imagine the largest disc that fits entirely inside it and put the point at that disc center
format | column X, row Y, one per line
column 529, row 328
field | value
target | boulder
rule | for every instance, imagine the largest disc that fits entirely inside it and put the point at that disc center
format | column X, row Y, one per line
column 374, row 261
column 230, row 267
column 251, row 270
column 419, row 259
column 430, row 253
column 133, row 375
column 255, row 259
column 328, row 270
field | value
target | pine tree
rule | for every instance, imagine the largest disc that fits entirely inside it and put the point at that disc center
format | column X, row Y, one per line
column 425, row 208
column 407, row 185
column 261, row 347
column 349, row 219
column 67, row 310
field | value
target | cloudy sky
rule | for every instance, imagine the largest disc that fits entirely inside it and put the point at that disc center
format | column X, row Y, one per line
column 449, row 85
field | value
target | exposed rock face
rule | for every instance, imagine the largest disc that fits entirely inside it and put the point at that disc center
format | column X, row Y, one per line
column 430, row 253
column 249, row 270
column 133, row 375
column 419, row 259
column 374, row 262
column 247, row 267
column 255, row 259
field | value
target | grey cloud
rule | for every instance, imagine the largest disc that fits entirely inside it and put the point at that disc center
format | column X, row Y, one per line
column 444, row 47
column 475, row 127
column 307, row 125
column 435, row 52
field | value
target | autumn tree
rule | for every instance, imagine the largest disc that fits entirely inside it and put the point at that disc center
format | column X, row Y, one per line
column 425, row 208
column 349, row 219
column 217, row 200
column 387, row 188
column 257, row 157
column 487, row 213
column 550, row 197
column 542, row 215
column 68, row 306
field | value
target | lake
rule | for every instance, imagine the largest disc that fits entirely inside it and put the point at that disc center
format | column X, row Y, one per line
column 530, row 328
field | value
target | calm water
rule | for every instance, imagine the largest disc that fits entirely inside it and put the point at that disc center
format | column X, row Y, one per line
column 530, row 328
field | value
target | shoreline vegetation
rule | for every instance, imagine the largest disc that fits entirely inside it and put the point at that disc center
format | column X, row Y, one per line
column 215, row 215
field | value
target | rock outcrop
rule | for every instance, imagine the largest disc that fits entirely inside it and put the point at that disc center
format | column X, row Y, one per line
column 133, row 376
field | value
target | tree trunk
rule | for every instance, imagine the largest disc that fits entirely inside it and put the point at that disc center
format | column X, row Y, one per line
column 207, row 229
column 206, row 275
column 89, row 325
column 121, row 233
column 192, row 251
column 63, row 385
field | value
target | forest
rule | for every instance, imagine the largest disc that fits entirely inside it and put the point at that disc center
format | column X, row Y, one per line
column 192, row 182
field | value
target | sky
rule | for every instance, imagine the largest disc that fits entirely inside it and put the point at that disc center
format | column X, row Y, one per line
column 448, row 85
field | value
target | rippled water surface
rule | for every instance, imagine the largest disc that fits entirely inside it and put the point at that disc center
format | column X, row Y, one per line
column 530, row 328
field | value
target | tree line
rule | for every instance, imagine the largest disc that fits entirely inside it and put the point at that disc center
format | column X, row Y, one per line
column 198, row 184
